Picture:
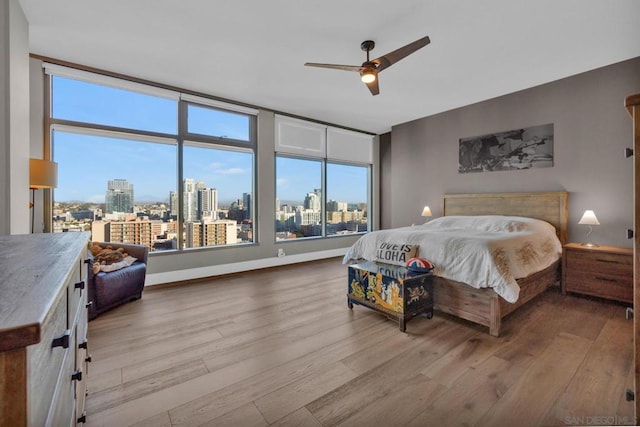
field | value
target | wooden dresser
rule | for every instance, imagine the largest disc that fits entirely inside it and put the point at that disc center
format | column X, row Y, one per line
column 632, row 105
column 602, row 271
column 43, row 327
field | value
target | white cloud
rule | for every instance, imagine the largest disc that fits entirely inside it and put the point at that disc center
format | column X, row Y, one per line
column 230, row 171
column 214, row 165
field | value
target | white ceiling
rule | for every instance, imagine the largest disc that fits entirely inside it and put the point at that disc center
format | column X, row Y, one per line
column 253, row 51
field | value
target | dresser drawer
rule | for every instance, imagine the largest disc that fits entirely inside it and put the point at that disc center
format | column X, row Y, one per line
column 599, row 262
column 601, row 285
column 45, row 362
column 76, row 290
column 63, row 409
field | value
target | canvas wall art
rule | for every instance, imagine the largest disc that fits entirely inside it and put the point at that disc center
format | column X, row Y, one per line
column 512, row 150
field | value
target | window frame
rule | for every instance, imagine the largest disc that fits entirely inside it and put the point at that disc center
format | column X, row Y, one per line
column 181, row 137
column 322, row 198
column 369, row 191
column 324, row 162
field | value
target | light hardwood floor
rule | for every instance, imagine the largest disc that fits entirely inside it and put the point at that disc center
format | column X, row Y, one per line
column 280, row 347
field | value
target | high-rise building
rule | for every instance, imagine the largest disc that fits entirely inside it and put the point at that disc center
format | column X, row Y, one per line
column 190, row 200
column 307, row 217
column 173, row 204
column 139, row 232
column 219, row 232
column 191, row 189
column 313, row 201
column 207, row 203
column 246, row 201
column 336, row 206
column 211, row 233
column 119, row 196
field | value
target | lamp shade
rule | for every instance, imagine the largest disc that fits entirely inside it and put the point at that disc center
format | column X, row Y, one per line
column 43, row 174
column 589, row 218
column 426, row 211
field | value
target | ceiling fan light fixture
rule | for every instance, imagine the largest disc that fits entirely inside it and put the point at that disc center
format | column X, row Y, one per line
column 368, row 76
column 371, row 67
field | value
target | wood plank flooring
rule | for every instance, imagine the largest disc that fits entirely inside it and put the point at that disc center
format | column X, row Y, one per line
column 280, row 347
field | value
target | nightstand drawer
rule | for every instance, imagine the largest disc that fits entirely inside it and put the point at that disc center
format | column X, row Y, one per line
column 600, row 262
column 601, row 285
column 602, row 271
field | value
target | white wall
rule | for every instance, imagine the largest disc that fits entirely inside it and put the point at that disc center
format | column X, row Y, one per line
column 591, row 130
column 14, row 119
column 36, row 147
column 4, row 117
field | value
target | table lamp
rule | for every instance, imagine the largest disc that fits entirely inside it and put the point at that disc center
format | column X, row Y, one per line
column 426, row 212
column 589, row 218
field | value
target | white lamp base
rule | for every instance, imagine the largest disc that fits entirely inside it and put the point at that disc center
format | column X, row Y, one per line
column 590, row 245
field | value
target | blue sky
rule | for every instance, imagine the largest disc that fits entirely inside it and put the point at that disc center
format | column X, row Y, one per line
column 87, row 162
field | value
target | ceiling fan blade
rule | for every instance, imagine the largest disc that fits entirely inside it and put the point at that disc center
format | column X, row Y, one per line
column 335, row 66
column 373, row 87
column 395, row 56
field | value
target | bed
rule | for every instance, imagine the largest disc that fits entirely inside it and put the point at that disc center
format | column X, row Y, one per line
column 473, row 301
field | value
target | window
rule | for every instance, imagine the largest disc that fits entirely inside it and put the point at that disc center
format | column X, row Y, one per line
column 217, row 195
column 81, row 101
column 129, row 191
column 323, row 177
column 217, row 123
column 299, row 199
column 127, row 172
column 347, row 198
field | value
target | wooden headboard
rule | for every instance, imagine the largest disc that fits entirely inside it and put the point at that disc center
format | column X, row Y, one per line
column 548, row 206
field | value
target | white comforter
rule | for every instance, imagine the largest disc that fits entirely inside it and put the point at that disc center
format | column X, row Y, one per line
column 482, row 251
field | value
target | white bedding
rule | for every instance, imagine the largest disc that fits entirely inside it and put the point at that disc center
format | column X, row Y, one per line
column 482, row 251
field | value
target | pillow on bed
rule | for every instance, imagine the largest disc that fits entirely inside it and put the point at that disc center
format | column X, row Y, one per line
column 488, row 223
column 393, row 253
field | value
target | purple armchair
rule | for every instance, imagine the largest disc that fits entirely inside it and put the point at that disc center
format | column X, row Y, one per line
column 109, row 290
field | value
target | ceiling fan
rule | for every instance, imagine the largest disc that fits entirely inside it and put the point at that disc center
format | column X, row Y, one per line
column 370, row 68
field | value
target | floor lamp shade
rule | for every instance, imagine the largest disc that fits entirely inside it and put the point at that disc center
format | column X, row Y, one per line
column 43, row 174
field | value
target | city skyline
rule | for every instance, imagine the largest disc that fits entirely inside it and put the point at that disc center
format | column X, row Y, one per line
column 151, row 165
column 153, row 183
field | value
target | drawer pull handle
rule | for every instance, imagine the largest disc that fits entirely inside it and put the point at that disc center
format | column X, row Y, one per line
column 610, row 261
column 76, row 376
column 83, row 344
column 62, row 341
column 82, row 419
column 79, row 285
column 88, row 359
column 606, row 279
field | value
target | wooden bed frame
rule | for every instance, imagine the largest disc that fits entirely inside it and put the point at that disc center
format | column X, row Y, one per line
column 484, row 306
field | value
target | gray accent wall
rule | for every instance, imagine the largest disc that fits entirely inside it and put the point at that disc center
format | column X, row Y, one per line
column 591, row 130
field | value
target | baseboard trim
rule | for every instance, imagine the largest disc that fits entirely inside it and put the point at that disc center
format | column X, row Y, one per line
column 237, row 267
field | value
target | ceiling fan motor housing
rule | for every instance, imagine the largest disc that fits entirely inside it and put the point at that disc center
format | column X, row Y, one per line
column 367, row 45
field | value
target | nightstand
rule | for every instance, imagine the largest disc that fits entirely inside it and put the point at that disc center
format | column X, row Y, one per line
column 601, row 271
